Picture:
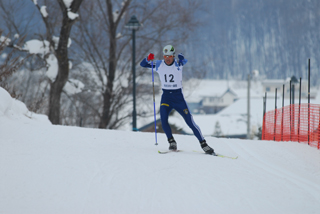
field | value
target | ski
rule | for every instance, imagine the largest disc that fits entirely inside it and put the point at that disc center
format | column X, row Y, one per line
column 169, row 151
column 219, row 155
column 224, row 156
column 214, row 154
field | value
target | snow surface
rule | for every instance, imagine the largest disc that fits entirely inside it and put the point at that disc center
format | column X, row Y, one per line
column 56, row 169
column 16, row 110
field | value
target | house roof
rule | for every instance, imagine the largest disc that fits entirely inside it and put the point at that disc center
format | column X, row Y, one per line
column 229, row 90
column 195, row 90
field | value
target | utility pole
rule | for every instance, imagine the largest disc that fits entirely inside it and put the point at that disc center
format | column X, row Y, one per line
column 248, row 109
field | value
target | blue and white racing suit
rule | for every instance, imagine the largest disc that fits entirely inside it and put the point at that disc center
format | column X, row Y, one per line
column 172, row 97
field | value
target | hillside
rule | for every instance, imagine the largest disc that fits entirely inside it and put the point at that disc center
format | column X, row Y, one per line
column 58, row 169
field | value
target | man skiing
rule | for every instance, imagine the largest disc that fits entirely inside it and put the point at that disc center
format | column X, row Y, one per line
column 170, row 73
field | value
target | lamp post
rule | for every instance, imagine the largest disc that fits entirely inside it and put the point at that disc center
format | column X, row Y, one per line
column 134, row 24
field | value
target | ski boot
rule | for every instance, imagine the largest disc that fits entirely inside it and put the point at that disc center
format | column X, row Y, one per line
column 172, row 144
column 207, row 149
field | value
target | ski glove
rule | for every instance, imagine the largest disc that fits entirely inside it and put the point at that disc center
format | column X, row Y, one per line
column 150, row 56
column 181, row 58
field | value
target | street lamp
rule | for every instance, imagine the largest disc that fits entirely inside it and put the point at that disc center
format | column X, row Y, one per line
column 134, row 24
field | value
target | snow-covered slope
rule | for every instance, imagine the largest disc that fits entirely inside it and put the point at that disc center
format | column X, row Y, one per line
column 16, row 110
column 57, row 169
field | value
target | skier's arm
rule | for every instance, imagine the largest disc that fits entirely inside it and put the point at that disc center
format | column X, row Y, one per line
column 146, row 62
column 182, row 60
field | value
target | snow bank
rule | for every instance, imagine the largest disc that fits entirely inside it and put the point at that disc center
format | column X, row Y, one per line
column 16, row 110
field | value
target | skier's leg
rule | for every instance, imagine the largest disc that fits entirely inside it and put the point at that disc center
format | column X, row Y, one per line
column 185, row 113
column 165, row 110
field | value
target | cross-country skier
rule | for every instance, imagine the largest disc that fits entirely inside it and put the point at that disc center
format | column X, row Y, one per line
column 170, row 73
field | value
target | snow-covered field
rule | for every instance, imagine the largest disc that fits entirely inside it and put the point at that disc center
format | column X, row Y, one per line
column 57, row 169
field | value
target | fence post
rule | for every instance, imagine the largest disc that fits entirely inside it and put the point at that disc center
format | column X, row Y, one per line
column 319, row 131
column 275, row 118
column 293, row 110
column 299, row 111
column 282, row 112
column 309, row 102
column 263, row 137
column 290, row 112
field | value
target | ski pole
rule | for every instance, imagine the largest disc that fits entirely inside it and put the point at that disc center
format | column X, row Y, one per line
column 154, row 106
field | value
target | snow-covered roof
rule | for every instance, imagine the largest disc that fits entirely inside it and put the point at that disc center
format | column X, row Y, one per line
column 195, row 90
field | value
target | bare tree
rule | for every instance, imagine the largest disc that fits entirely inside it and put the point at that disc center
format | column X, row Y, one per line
column 61, row 54
column 58, row 48
column 106, row 47
column 10, row 64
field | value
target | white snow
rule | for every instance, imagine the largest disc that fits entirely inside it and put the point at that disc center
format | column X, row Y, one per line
column 37, row 47
column 15, row 110
column 43, row 11
column 73, row 86
column 58, row 169
column 119, row 35
column 52, row 67
column 56, row 41
column 72, row 15
column 70, row 65
column 5, row 40
column 115, row 15
column 4, row 56
column 67, row 3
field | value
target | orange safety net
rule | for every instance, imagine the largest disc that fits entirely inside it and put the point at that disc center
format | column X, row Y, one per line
column 295, row 122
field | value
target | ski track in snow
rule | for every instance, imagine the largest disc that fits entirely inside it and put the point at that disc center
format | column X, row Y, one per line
column 263, row 163
column 259, row 162
column 56, row 169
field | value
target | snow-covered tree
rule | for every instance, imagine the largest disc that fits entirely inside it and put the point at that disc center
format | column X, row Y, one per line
column 49, row 41
column 8, row 63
